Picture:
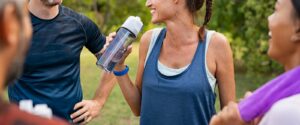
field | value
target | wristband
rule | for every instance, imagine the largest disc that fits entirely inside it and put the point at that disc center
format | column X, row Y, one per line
column 121, row 73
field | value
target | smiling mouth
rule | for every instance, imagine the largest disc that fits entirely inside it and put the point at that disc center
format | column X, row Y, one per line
column 152, row 11
column 270, row 35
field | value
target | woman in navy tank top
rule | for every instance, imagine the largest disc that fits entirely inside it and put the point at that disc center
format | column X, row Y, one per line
column 178, row 67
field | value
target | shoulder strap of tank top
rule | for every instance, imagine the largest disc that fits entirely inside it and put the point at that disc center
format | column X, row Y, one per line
column 155, row 33
column 208, row 39
column 210, row 76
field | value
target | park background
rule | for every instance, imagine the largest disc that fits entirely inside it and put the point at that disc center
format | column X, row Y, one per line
column 244, row 23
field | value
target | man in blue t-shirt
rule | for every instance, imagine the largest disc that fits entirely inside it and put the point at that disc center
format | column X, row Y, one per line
column 52, row 68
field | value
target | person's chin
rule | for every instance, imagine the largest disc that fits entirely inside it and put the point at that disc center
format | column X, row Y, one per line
column 272, row 54
column 270, row 47
column 269, row 53
column 53, row 3
column 57, row 2
column 155, row 21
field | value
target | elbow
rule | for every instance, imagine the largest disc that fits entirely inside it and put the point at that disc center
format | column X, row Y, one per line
column 135, row 107
column 137, row 113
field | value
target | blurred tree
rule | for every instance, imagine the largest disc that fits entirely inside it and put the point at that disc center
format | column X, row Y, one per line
column 244, row 22
column 110, row 14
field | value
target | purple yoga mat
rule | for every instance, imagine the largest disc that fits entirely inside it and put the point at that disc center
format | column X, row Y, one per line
column 263, row 98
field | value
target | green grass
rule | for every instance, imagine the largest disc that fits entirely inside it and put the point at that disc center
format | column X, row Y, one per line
column 116, row 111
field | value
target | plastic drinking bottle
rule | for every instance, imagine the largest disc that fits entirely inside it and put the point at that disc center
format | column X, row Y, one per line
column 126, row 34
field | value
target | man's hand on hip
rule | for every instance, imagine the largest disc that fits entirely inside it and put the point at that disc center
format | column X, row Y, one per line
column 86, row 110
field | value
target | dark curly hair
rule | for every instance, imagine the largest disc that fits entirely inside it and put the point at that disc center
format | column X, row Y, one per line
column 296, row 4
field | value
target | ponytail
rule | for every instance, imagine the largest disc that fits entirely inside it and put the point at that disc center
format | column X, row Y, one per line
column 207, row 18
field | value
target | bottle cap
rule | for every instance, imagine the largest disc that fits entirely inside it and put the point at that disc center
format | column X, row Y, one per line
column 43, row 110
column 26, row 105
column 134, row 24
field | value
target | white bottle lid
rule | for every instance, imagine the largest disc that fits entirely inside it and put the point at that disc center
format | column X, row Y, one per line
column 26, row 105
column 134, row 24
column 43, row 110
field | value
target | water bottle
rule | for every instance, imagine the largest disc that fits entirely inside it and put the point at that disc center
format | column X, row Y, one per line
column 126, row 34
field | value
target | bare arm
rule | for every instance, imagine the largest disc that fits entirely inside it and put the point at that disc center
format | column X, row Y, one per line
column 89, row 109
column 108, row 80
column 133, row 92
column 224, row 69
column 106, row 85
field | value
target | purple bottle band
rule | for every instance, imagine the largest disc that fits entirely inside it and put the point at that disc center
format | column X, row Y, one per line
column 285, row 85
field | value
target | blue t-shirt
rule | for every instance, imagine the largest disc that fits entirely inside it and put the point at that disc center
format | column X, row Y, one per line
column 52, row 68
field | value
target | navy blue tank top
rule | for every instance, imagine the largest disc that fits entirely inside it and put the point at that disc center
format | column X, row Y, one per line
column 183, row 99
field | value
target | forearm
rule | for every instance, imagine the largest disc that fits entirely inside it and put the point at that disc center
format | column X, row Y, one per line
column 226, row 85
column 131, row 93
column 225, row 99
column 106, row 85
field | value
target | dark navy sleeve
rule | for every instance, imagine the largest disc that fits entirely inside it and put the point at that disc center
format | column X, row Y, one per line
column 95, row 39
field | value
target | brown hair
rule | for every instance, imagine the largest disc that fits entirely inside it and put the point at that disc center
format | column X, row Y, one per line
column 194, row 6
column 296, row 4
